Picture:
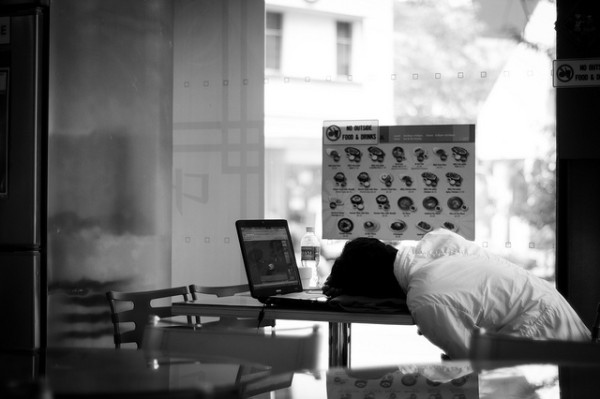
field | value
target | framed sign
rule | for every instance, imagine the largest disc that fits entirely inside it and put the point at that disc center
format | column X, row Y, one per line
column 397, row 182
column 576, row 73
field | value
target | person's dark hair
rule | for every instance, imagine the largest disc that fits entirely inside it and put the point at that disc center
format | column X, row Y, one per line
column 366, row 268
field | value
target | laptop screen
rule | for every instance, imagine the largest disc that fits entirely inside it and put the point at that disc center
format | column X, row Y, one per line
column 269, row 257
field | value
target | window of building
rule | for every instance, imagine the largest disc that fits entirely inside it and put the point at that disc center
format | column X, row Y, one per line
column 273, row 36
column 344, row 48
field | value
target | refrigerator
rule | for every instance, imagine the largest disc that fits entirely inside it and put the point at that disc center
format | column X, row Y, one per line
column 23, row 142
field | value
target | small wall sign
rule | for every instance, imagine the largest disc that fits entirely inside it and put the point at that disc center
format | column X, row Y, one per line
column 576, row 73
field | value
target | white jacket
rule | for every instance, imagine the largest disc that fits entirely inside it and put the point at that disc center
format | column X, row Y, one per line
column 454, row 286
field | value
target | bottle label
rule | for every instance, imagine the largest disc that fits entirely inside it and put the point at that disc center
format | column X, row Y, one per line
column 309, row 253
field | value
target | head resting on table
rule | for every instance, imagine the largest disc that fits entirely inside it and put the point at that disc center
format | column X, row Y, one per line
column 364, row 268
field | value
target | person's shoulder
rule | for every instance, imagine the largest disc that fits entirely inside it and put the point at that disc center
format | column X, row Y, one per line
column 444, row 241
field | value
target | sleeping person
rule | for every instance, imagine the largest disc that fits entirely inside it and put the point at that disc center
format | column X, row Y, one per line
column 452, row 286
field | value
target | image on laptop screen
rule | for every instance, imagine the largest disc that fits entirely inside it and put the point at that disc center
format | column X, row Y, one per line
column 269, row 256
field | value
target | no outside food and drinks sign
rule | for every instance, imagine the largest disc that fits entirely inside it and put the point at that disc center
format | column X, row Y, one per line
column 576, row 73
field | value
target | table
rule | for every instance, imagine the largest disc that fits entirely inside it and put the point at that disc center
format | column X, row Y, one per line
column 128, row 373
column 340, row 322
column 115, row 373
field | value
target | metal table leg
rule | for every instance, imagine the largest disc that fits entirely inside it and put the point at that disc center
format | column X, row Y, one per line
column 339, row 344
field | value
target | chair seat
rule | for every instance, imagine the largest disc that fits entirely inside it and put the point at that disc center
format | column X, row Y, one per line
column 495, row 349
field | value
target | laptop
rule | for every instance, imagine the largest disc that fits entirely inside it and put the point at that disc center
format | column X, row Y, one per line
column 270, row 264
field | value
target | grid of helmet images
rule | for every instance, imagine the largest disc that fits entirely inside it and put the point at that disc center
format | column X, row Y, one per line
column 397, row 182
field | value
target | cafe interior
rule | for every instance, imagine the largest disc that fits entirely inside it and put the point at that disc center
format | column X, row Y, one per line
column 134, row 134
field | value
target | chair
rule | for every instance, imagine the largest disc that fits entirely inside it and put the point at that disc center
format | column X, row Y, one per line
column 492, row 350
column 289, row 350
column 136, row 308
column 227, row 322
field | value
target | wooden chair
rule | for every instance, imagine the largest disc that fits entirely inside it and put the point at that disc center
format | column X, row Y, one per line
column 137, row 308
column 227, row 322
column 493, row 350
column 289, row 350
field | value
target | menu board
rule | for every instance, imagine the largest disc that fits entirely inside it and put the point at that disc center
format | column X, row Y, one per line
column 397, row 182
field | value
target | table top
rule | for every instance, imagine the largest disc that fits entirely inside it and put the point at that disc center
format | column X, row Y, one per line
column 246, row 306
column 102, row 371
column 71, row 372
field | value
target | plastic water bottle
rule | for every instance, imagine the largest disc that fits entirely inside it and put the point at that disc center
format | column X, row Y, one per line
column 310, row 248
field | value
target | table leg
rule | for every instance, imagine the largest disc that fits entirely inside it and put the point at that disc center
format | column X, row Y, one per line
column 339, row 344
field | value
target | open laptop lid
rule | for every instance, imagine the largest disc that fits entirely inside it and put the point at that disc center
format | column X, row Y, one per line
column 268, row 256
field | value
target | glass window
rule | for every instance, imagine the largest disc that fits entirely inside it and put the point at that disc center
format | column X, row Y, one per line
column 344, row 47
column 426, row 63
column 273, row 35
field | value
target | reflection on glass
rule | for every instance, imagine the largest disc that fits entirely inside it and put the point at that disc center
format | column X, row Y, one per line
column 451, row 380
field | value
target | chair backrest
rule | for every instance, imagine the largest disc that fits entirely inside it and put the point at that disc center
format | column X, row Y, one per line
column 501, row 349
column 288, row 350
column 219, row 290
column 136, row 308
